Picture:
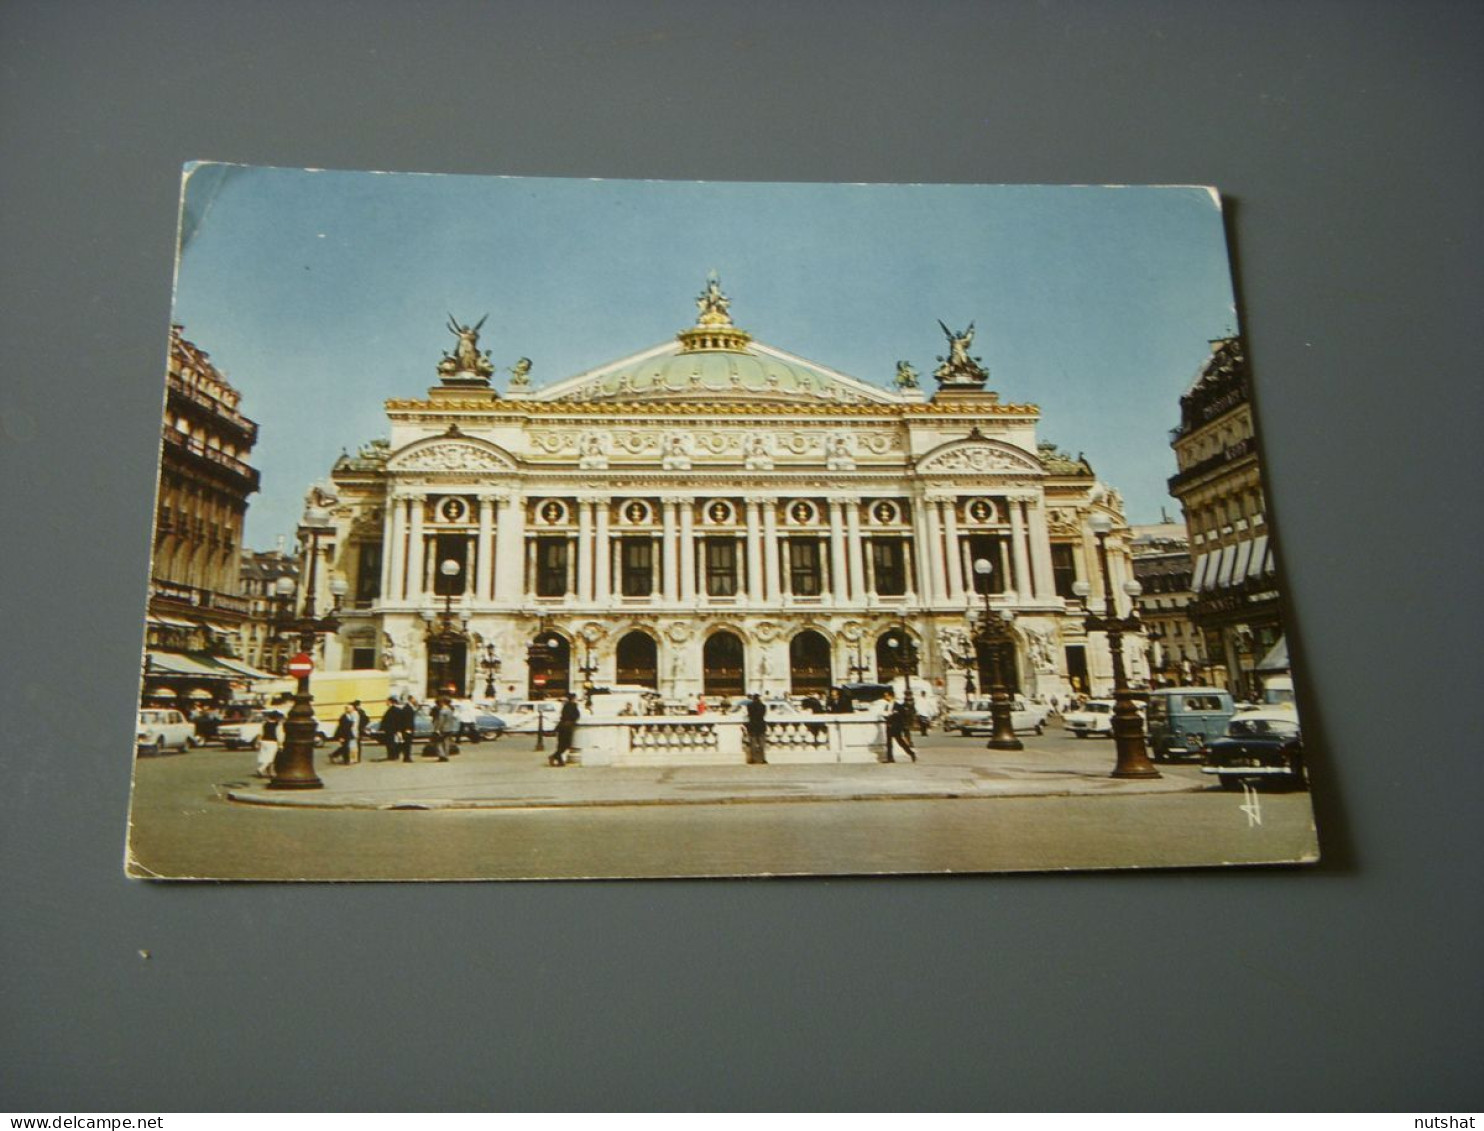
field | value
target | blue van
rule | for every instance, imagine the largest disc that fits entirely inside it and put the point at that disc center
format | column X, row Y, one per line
column 1182, row 718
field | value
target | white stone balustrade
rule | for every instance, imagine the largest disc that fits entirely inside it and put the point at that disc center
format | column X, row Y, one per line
column 696, row 740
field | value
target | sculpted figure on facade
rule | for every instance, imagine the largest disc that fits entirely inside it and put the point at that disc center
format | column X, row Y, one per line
column 840, row 458
column 466, row 356
column 959, row 368
column 520, row 375
column 594, row 455
column 906, row 376
column 759, row 458
column 677, row 453
column 714, row 306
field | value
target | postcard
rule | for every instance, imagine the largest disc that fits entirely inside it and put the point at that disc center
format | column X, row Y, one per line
column 547, row 529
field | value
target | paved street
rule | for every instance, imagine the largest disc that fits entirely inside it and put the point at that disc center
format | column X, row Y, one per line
column 962, row 808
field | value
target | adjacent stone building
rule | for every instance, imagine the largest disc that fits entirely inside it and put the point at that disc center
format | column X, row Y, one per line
column 1177, row 648
column 1219, row 487
column 712, row 516
column 196, row 603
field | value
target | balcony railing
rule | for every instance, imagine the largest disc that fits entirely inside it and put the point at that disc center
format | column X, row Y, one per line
column 214, row 407
column 1230, row 454
column 231, row 464
column 178, row 594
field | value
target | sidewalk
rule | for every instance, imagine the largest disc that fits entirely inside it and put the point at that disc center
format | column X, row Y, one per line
column 509, row 774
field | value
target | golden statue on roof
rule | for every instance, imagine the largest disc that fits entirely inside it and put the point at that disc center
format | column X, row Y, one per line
column 714, row 306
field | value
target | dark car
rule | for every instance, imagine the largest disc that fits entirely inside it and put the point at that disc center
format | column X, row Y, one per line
column 1259, row 746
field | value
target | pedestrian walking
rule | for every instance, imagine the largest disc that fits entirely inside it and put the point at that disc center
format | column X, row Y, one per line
column 566, row 727
column 755, row 729
column 898, row 727
column 445, row 723
column 363, row 724
column 390, row 732
column 345, row 735
column 268, row 743
column 403, row 727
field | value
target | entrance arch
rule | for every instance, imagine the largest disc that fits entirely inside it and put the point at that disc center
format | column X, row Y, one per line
column 896, row 655
column 549, row 658
column 809, row 664
column 722, row 671
column 638, row 661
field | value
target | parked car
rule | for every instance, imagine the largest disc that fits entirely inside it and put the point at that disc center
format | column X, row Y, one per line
column 520, row 717
column 1182, row 718
column 1093, row 717
column 245, row 734
column 163, row 728
column 976, row 717
column 1259, row 746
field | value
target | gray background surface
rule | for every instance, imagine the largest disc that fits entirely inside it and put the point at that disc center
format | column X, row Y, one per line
column 1346, row 137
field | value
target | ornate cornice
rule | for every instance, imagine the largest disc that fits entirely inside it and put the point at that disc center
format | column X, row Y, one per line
column 515, row 410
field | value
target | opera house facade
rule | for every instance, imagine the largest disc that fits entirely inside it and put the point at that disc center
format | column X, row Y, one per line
column 713, row 516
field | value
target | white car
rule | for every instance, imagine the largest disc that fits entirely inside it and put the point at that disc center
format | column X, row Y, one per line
column 1093, row 717
column 162, row 729
column 976, row 717
column 521, row 717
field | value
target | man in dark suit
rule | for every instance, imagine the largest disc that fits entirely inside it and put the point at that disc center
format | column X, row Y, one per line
column 566, row 727
column 899, row 720
column 756, row 729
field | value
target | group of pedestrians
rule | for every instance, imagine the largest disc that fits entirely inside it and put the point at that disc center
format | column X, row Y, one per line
column 350, row 730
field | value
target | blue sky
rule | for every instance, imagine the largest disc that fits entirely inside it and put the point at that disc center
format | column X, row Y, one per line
column 321, row 294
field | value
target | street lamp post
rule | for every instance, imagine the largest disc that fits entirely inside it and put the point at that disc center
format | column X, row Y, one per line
column 1128, row 725
column 904, row 660
column 587, row 669
column 293, row 768
column 994, row 633
column 536, row 651
column 489, row 663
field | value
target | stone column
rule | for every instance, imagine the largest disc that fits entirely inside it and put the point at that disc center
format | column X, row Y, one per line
column 771, row 550
column 1023, row 586
column 584, row 584
column 839, row 591
column 484, row 551
column 415, row 569
column 754, row 551
column 395, row 554
column 602, row 556
column 856, row 552
column 510, row 550
column 1040, row 538
column 954, row 556
column 687, row 551
column 668, row 551
column 931, row 554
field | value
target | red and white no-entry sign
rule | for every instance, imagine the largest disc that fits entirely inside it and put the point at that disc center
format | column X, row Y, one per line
column 301, row 665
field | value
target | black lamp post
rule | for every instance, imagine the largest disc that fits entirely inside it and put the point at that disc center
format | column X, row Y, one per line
column 489, row 663
column 587, row 669
column 1128, row 725
column 993, row 632
column 536, row 652
column 904, row 659
column 293, row 768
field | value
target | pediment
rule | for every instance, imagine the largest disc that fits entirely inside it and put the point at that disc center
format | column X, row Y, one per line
column 447, row 453
column 978, row 457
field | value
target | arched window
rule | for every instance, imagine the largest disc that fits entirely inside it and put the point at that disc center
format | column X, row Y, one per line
column 722, row 671
column 809, row 664
column 638, row 660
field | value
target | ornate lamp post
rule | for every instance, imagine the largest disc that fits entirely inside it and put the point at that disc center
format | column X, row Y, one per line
column 448, row 629
column 1128, row 725
column 489, row 663
column 587, row 668
column 993, row 633
column 904, row 660
column 293, row 768
column 537, row 651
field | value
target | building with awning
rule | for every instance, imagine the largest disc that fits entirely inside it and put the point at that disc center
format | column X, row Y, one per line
column 1219, row 486
column 196, row 605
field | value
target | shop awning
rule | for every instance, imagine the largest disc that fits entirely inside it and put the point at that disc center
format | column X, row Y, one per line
column 1224, row 570
column 1262, row 561
column 178, row 663
column 1201, row 569
column 241, row 669
column 1277, row 658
